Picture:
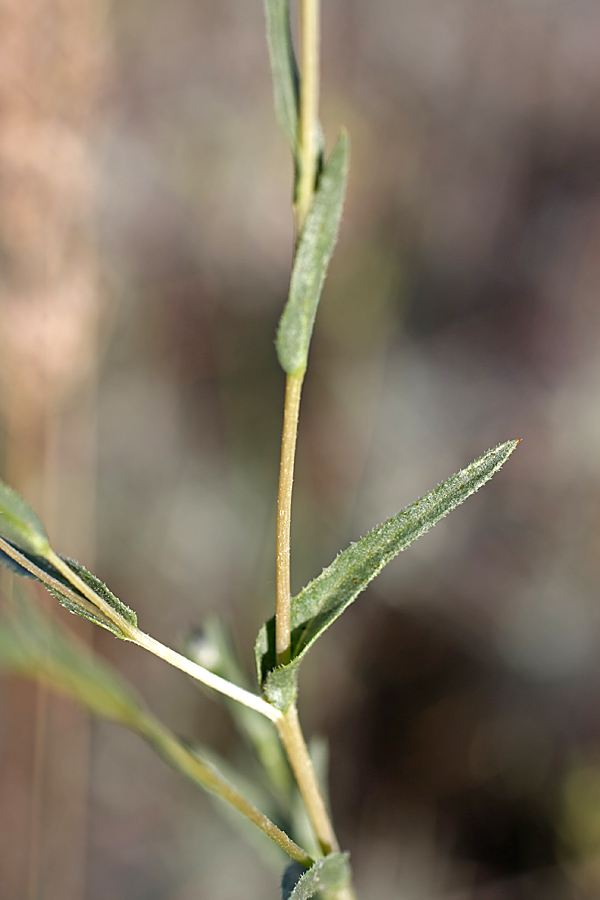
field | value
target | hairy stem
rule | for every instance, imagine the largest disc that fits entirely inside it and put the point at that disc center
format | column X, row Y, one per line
column 291, row 411
column 292, row 739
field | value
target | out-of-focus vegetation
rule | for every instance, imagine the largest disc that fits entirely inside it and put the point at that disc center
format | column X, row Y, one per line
column 462, row 306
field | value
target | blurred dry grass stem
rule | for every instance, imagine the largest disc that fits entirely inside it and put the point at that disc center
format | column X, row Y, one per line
column 52, row 56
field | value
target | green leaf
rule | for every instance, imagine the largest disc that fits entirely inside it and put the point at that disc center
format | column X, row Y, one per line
column 283, row 69
column 312, row 258
column 82, row 606
column 330, row 874
column 319, row 604
column 19, row 524
column 68, row 595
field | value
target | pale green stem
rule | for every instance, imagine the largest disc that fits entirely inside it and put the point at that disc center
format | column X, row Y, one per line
column 293, row 389
column 131, row 633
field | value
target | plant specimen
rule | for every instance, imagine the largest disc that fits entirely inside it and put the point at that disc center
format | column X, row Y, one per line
column 269, row 717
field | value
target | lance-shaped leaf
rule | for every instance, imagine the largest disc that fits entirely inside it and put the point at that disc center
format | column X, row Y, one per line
column 69, row 595
column 284, row 69
column 81, row 606
column 319, row 604
column 26, row 550
column 19, row 524
column 310, row 263
column 327, row 876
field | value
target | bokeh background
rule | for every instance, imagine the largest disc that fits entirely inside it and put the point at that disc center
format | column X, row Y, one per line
column 145, row 247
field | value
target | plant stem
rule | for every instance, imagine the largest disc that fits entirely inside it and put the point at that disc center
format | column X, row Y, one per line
column 293, row 390
column 171, row 656
column 307, row 162
column 293, row 741
column 288, row 725
column 97, row 604
column 295, row 746
column 309, row 108
column 222, row 685
column 187, row 762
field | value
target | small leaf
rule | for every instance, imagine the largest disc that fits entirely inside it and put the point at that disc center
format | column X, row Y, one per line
column 320, row 603
column 283, row 69
column 310, row 264
column 83, row 607
column 68, row 595
column 19, row 524
column 330, row 874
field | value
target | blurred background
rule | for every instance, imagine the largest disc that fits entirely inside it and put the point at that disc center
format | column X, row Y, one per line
column 145, row 248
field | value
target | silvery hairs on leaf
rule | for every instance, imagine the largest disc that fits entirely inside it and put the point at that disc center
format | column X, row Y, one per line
column 329, row 874
column 315, row 249
column 325, row 598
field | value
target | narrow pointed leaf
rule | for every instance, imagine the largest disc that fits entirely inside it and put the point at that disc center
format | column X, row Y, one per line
column 70, row 597
column 283, row 69
column 83, row 607
column 328, row 875
column 319, row 604
column 19, row 524
column 310, row 263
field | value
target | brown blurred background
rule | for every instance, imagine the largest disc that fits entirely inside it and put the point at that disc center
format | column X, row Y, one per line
column 145, row 246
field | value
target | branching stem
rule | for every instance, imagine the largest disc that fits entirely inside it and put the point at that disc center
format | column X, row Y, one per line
column 94, row 603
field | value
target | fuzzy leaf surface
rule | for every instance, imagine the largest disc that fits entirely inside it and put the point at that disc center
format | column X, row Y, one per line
column 283, row 69
column 325, row 598
column 315, row 249
column 83, row 607
column 19, row 524
column 68, row 595
column 330, row 874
